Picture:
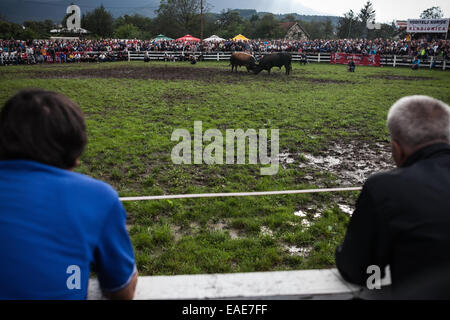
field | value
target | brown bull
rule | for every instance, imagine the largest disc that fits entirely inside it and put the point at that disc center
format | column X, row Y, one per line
column 242, row 59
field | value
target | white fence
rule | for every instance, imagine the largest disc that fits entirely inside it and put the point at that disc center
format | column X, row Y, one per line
column 386, row 60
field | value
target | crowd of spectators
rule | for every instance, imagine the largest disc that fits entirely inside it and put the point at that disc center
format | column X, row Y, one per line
column 63, row 51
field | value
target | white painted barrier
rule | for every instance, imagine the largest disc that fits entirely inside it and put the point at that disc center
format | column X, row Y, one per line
column 303, row 284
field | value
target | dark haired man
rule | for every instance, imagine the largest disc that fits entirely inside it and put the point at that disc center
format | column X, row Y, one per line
column 56, row 224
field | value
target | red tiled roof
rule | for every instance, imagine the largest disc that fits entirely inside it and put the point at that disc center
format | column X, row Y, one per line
column 287, row 25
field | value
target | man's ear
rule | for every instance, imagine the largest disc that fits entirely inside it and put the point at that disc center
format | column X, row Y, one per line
column 76, row 164
column 398, row 153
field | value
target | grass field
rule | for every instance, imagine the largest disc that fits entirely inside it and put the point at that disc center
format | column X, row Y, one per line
column 332, row 133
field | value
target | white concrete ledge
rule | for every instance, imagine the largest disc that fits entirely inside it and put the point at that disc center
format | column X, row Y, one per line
column 303, row 284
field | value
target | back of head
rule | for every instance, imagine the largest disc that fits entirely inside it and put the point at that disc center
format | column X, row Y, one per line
column 416, row 121
column 42, row 126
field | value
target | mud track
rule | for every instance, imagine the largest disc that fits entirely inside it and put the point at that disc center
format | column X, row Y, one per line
column 175, row 73
column 406, row 78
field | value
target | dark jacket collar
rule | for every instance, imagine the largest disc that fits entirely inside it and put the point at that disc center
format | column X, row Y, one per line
column 427, row 152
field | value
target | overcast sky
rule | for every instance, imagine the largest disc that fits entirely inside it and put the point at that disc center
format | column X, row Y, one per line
column 386, row 10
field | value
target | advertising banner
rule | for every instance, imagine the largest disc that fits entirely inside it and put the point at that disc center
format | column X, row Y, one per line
column 427, row 26
column 359, row 59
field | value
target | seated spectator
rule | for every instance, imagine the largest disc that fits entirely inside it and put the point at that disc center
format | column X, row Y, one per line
column 433, row 64
column 62, row 58
column 146, row 57
column 85, row 58
column 102, row 57
column 402, row 216
column 303, row 59
column 111, row 57
column 193, row 59
column 416, row 63
column 56, row 224
column 77, row 57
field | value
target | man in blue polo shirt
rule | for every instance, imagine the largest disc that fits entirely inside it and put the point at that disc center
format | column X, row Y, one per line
column 56, row 226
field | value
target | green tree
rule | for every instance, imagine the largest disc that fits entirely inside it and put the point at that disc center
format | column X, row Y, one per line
column 145, row 25
column 367, row 13
column 345, row 25
column 328, row 29
column 313, row 28
column 127, row 31
column 28, row 34
column 231, row 24
column 269, row 28
column 9, row 30
column 212, row 24
column 100, row 22
column 41, row 28
column 177, row 17
column 432, row 13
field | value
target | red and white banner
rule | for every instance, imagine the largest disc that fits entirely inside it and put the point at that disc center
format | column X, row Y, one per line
column 427, row 26
column 359, row 59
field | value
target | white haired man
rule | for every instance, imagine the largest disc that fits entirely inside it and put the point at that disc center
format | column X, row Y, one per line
column 402, row 217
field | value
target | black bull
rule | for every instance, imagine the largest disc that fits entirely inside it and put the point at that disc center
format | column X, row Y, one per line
column 275, row 60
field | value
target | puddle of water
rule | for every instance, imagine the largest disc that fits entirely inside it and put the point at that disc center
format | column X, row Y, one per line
column 317, row 214
column 223, row 226
column 176, row 231
column 298, row 251
column 346, row 209
column 314, row 211
column 300, row 213
column 306, row 223
column 326, row 161
column 266, row 231
column 285, row 158
column 233, row 234
column 352, row 163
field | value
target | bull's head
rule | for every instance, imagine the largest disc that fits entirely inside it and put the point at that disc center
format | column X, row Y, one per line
column 257, row 69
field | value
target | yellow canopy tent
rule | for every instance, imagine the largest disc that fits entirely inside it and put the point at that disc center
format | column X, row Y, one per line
column 240, row 37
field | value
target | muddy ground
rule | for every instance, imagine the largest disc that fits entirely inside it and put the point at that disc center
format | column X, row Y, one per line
column 174, row 73
column 352, row 162
column 396, row 77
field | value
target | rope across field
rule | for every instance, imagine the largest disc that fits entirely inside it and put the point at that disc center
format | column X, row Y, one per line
column 238, row 194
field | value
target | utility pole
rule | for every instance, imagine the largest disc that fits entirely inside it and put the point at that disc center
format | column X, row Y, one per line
column 201, row 20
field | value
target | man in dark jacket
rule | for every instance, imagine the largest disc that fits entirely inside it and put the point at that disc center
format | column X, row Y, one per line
column 402, row 217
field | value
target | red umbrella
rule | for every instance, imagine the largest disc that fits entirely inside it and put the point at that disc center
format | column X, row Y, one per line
column 188, row 37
